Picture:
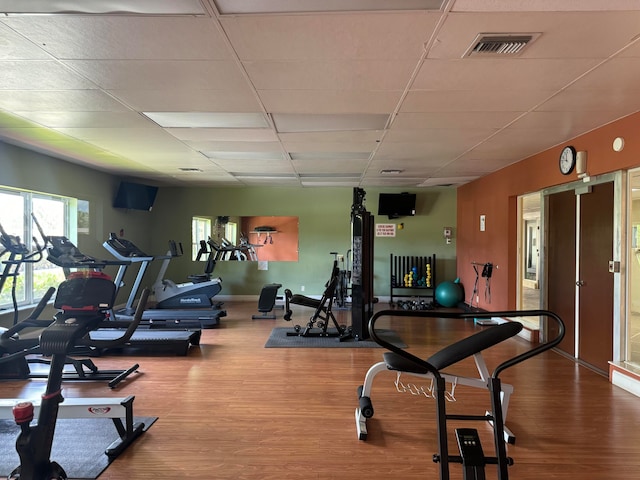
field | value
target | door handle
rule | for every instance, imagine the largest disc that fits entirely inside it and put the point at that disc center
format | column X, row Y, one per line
column 580, row 283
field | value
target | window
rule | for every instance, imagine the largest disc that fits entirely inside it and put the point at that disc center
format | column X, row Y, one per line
column 200, row 230
column 54, row 214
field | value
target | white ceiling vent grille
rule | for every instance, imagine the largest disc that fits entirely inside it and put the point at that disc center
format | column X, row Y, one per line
column 500, row 44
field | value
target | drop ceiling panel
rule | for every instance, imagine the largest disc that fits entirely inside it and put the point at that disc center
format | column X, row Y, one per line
column 419, row 151
column 633, row 50
column 195, row 135
column 362, row 137
column 59, row 100
column 589, row 36
column 472, row 101
column 161, row 74
column 614, row 100
column 268, row 181
column 40, row 75
column 328, row 146
column 330, row 75
column 329, row 101
column 425, row 165
column 388, row 182
column 177, row 99
column 237, row 146
column 471, row 167
column 617, row 74
column 460, row 120
column 467, row 137
column 566, row 122
column 16, row 47
column 255, row 166
column 73, row 119
column 551, row 6
column 355, row 36
column 123, row 37
column 335, row 167
column 482, row 74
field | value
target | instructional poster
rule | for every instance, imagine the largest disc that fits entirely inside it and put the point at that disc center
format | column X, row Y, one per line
column 385, row 229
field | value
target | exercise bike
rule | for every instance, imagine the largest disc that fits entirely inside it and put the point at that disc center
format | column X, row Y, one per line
column 84, row 299
column 25, row 334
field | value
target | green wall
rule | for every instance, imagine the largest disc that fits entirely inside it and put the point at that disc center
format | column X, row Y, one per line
column 324, row 227
column 324, row 223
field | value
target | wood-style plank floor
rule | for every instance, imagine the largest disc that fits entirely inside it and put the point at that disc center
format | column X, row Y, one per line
column 233, row 409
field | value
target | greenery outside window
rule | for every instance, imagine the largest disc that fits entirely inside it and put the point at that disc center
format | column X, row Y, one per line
column 55, row 214
column 200, row 230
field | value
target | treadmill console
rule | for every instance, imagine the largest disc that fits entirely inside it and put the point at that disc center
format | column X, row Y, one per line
column 123, row 248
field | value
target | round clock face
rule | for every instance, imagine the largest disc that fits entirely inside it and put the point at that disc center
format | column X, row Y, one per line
column 567, row 160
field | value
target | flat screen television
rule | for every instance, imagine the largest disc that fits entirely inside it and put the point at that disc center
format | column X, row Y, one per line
column 135, row 196
column 396, row 205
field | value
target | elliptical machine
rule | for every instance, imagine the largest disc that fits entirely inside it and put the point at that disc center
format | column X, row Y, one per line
column 172, row 295
column 18, row 254
column 85, row 299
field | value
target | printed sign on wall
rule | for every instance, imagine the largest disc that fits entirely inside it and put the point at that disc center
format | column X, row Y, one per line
column 385, row 229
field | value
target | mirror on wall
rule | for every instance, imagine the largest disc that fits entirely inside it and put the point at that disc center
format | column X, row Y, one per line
column 257, row 238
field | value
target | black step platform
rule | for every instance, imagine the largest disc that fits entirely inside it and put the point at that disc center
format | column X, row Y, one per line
column 175, row 341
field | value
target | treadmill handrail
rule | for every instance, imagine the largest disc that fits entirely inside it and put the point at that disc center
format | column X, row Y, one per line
column 131, row 328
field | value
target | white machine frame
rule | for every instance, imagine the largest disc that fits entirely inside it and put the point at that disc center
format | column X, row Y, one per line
column 481, row 382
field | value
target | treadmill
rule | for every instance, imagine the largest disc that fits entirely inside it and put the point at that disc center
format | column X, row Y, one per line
column 63, row 253
column 128, row 253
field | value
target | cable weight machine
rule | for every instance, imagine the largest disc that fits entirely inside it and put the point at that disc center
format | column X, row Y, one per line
column 362, row 234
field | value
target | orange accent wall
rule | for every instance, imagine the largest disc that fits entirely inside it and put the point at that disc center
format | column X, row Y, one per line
column 281, row 245
column 495, row 196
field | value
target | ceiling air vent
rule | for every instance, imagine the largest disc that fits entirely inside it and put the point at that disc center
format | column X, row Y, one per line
column 500, row 44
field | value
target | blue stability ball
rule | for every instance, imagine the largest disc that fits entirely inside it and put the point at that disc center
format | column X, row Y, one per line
column 449, row 294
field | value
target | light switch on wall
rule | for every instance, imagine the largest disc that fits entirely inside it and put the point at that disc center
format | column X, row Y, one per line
column 482, row 223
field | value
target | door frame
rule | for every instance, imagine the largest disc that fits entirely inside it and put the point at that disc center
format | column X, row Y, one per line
column 620, row 222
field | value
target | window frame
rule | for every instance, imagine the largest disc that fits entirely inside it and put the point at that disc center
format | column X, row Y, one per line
column 28, row 271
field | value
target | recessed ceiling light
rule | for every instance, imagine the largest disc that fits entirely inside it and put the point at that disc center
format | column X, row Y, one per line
column 330, row 155
column 215, row 155
column 234, row 7
column 329, row 183
column 208, row 119
column 295, row 123
column 273, row 176
column 343, row 176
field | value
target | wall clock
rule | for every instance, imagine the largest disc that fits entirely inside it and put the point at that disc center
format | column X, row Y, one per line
column 567, row 160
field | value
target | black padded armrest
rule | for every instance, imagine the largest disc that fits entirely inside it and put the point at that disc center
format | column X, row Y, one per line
column 457, row 351
column 475, row 343
column 466, row 347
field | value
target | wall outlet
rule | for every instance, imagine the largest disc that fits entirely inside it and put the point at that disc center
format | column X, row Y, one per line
column 302, row 288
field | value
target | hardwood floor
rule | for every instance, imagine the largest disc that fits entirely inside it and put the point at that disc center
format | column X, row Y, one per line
column 232, row 409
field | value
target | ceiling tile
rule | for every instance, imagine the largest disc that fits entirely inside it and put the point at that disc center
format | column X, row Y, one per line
column 330, row 75
column 59, row 100
column 160, row 74
column 123, row 37
column 40, row 75
column 480, row 74
column 361, row 36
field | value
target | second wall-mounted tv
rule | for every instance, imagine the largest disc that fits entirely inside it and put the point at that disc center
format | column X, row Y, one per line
column 135, row 196
column 396, row 205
